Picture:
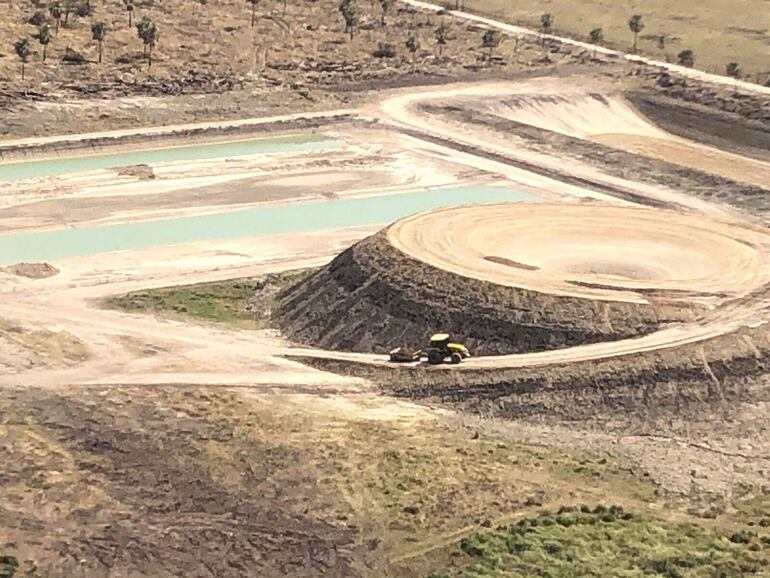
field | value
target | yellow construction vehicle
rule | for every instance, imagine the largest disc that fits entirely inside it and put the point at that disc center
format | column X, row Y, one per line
column 442, row 348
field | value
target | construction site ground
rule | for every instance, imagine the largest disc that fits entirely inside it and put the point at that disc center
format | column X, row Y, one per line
column 162, row 441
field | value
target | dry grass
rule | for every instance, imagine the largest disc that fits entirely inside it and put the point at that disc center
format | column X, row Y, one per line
column 305, row 44
column 718, row 32
column 169, row 476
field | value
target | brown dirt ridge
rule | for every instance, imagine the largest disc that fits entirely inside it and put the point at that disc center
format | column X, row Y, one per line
column 373, row 296
column 431, row 272
column 682, row 380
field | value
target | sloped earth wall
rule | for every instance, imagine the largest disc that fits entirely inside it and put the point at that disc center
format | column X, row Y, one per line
column 677, row 381
column 373, row 297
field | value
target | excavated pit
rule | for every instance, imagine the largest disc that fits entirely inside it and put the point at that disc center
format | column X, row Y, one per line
column 585, row 279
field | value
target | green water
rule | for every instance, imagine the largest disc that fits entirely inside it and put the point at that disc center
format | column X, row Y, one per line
column 268, row 220
column 62, row 165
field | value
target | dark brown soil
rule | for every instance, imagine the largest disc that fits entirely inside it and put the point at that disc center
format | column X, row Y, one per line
column 372, row 297
column 671, row 382
column 136, row 487
column 747, row 105
column 723, row 130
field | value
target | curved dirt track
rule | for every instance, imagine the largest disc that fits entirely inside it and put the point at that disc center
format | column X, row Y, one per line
column 589, row 110
column 608, row 118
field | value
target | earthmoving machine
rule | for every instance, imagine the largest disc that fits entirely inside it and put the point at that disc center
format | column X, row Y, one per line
column 439, row 349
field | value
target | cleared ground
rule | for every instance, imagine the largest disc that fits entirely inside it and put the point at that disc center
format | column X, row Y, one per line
column 588, row 250
column 718, row 33
column 609, row 119
column 178, row 448
column 298, row 56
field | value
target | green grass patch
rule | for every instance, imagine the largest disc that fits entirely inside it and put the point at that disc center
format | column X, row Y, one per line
column 606, row 541
column 8, row 566
column 244, row 303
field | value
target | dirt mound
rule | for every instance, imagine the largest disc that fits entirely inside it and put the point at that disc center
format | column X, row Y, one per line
column 23, row 348
column 31, row 270
column 689, row 379
column 373, row 297
column 583, row 274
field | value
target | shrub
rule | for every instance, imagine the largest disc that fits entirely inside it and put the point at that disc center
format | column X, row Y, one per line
column 8, row 566
column 384, row 50
column 38, row 18
column 83, row 10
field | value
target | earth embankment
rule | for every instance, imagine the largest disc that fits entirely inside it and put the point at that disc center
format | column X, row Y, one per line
column 523, row 277
column 682, row 379
column 373, row 297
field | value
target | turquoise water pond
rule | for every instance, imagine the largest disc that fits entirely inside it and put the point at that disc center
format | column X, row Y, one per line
column 70, row 164
column 266, row 220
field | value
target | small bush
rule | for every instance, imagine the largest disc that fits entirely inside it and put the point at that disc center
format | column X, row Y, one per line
column 72, row 56
column 83, row 10
column 38, row 19
column 8, row 566
column 742, row 537
column 384, row 50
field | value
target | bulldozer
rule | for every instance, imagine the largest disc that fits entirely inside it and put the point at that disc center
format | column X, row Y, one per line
column 441, row 348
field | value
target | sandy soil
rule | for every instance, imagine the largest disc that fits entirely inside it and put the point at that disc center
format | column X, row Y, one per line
column 610, row 119
column 402, row 109
column 57, row 337
column 546, row 103
column 589, row 251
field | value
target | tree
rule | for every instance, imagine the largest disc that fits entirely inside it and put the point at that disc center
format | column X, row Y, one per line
column 68, row 6
column 147, row 31
column 253, row 11
column 129, row 4
column 546, row 23
column 98, row 32
column 636, row 25
column 44, row 38
column 412, row 45
column 349, row 12
column 442, row 36
column 490, row 40
column 686, row 57
column 596, row 35
column 22, row 49
column 733, row 69
column 385, row 6
column 54, row 9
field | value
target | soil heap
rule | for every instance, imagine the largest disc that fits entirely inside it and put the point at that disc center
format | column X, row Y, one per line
column 520, row 277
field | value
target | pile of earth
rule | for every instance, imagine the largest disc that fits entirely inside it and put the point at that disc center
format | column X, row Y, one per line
column 373, row 297
column 31, row 270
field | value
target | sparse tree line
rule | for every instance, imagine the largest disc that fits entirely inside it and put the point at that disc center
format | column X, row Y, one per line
column 685, row 57
column 59, row 12
column 442, row 33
